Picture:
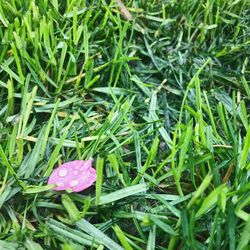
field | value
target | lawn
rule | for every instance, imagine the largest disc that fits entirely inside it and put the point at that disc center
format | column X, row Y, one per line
column 158, row 94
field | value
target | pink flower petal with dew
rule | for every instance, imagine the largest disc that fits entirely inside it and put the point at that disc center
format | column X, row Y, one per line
column 75, row 175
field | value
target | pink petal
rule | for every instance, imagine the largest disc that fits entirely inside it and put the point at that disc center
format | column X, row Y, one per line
column 75, row 175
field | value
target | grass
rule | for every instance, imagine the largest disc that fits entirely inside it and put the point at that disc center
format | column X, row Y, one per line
column 160, row 102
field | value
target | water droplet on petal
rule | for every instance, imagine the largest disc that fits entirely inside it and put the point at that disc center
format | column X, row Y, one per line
column 73, row 183
column 59, row 184
column 63, row 172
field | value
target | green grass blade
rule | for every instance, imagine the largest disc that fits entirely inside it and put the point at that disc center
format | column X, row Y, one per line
column 120, row 194
column 87, row 227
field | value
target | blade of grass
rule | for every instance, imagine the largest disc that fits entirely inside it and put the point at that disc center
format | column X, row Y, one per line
column 120, row 194
column 99, row 166
column 87, row 227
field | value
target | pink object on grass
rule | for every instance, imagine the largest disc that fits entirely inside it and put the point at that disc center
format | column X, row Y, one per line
column 75, row 175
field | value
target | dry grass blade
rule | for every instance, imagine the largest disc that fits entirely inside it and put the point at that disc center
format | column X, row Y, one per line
column 123, row 10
